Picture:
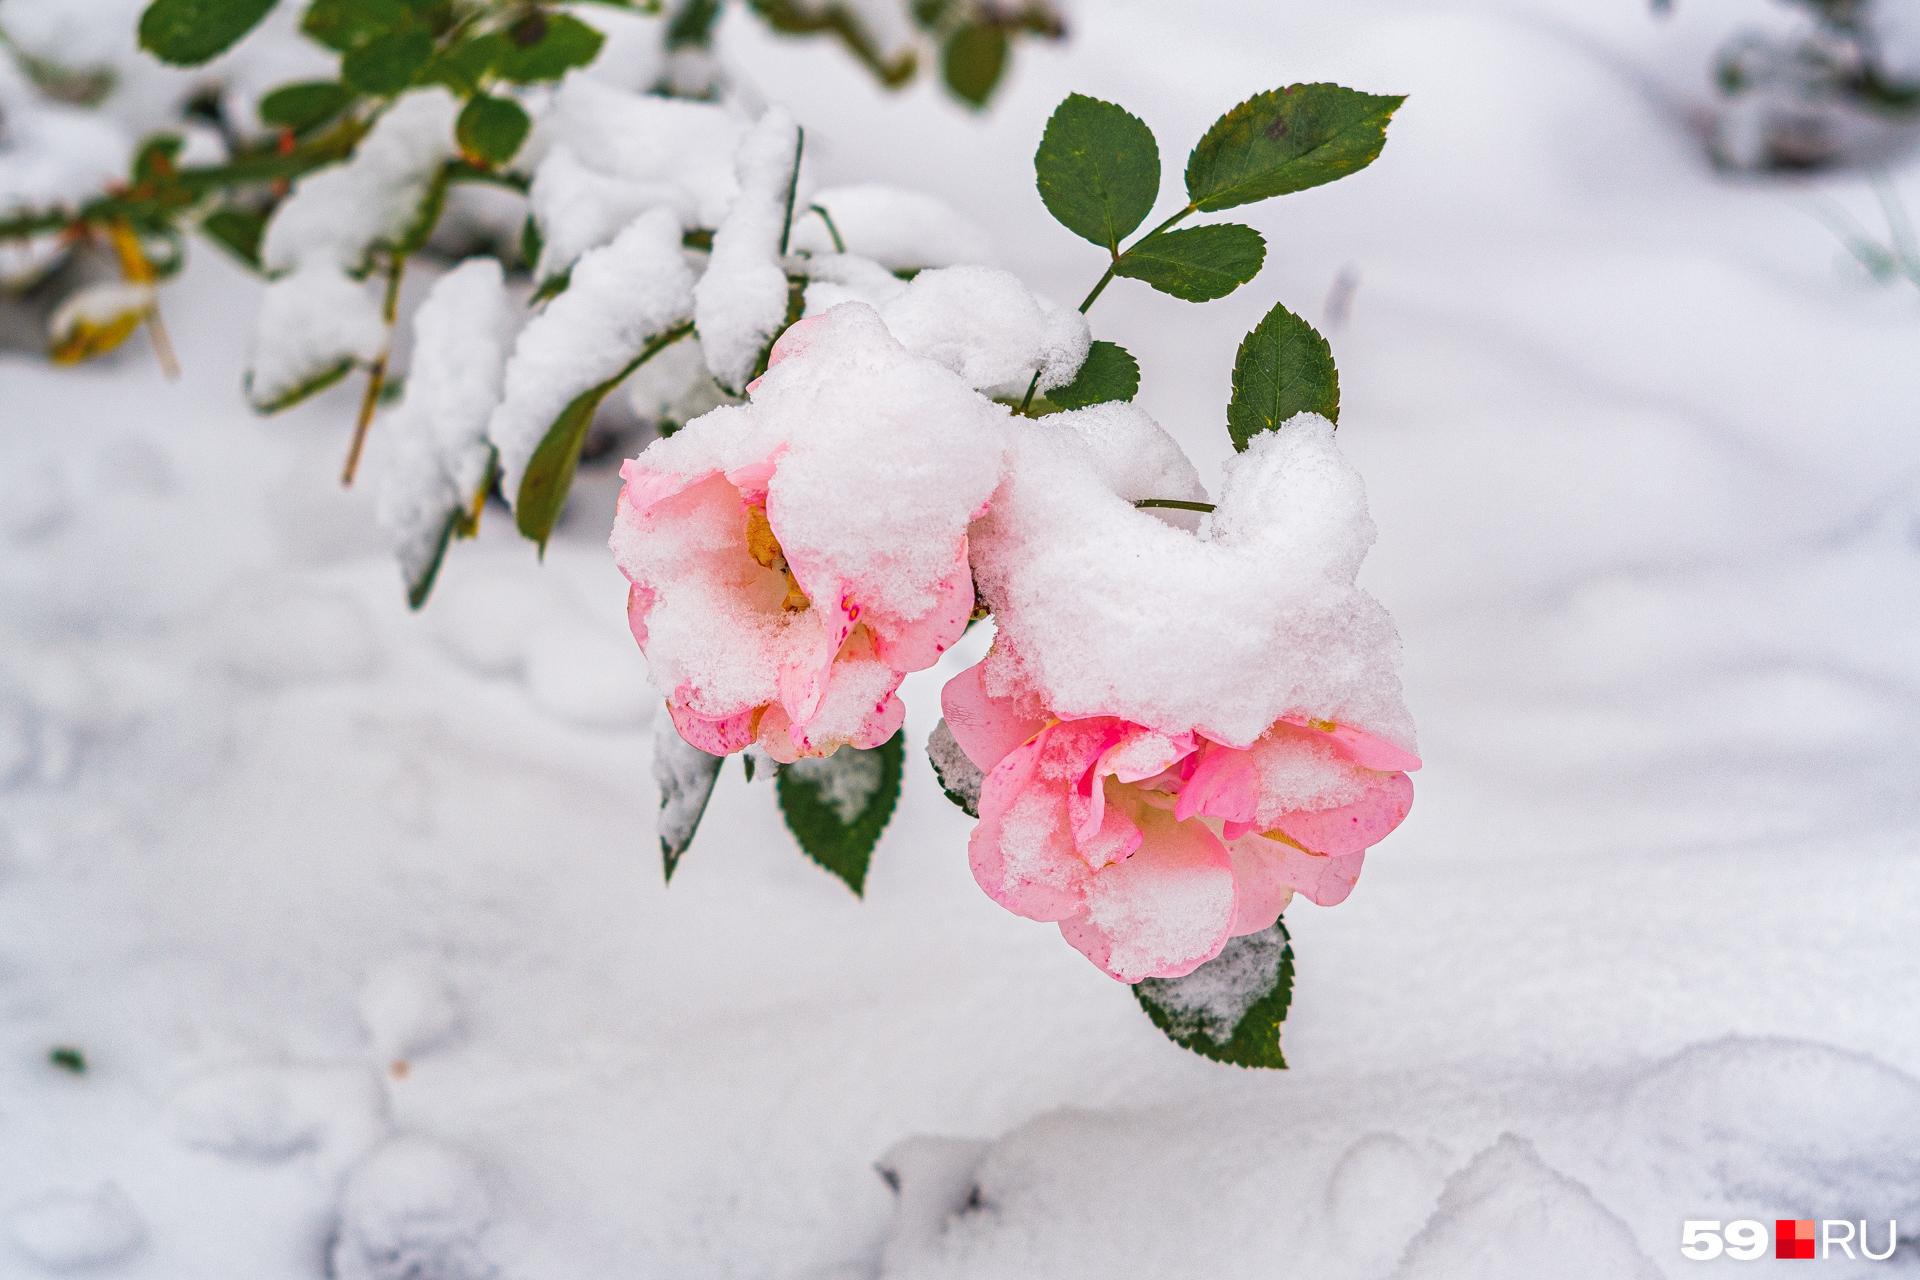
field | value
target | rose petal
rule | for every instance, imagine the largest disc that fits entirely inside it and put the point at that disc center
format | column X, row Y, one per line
column 719, row 736
column 1325, row 881
column 1163, row 912
column 918, row 644
column 1361, row 747
column 1021, row 852
column 987, row 728
column 1355, row 827
column 1261, row 890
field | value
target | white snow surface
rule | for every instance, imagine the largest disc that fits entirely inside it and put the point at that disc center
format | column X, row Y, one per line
column 1642, row 461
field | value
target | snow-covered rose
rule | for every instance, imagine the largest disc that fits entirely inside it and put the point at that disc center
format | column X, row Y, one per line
column 1151, row 849
column 792, row 558
column 1181, row 726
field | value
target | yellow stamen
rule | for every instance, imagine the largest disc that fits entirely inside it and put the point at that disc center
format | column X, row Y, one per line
column 765, row 550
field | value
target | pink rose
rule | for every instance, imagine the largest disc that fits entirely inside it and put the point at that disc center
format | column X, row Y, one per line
column 1151, row 849
column 791, row 559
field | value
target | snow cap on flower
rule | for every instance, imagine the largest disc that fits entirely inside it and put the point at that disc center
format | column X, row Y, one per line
column 1179, row 730
column 1105, row 609
column 793, row 557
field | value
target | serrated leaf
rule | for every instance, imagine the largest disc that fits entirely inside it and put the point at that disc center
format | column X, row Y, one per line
column 302, row 106
column 973, row 61
column 1231, row 1008
column 686, row 776
column 549, row 473
column 959, row 777
column 1110, row 373
column 190, row 32
column 1287, row 140
column 546, row 46
column 1283, row 367
column 1098, row 169
column 490, row 130
column 1197, row 264
column 344, row 24
column 387, row 64
column 837, row 805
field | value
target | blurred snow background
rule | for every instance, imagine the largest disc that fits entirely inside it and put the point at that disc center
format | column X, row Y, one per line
column 357, row 915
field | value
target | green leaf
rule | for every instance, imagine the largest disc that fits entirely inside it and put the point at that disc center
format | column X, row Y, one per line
column 68, row 1059
column 311, row 387
column 546, row 46
column 238, row 231
column 1198, row 264
column 1230, row 1008
column 465, row 66
column 1110, row 373
column 344, row 24
column 1287, row 140
column 1283, row 367
column 686, row 776
column 300, row 107
column 837, row 805
column 190, row 32
column 549, row 474
column 1098, row 170
column 959, row 777
column 490, row 130
column 973, row 61
column 387, row 64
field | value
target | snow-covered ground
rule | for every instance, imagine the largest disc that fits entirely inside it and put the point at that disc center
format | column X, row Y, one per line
column 357, row 914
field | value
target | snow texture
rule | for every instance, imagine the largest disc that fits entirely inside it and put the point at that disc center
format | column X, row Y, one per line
column 415, row 1209
column 1643, row 464
column 989, row 328
column 901, row 229
column 64, row 1232
column 51, row 155
column 958, row 775
column 740, row 303
column 311, row 322
column 437, row 457
column 667, row 142
column 622, row 295
column 1083, row 584
column 340, row 214
column 1213, row 999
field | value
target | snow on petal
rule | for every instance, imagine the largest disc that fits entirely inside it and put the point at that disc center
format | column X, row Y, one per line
column 1163, row 912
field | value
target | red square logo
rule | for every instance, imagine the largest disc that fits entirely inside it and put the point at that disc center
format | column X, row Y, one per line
column 1793, row 1238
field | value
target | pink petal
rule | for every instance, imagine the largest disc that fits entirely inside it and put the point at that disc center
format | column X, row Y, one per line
column 645, row 488
column 802, row 680
column 716, row 736
column 918, row 644
column 1355, row 827
column 753, row 478
column 1163, row 912
column 987, row 728
column 639, row 604
column 1224, row 784
column 1261, row 890
column 1020, row 852
column 1320, row 879
column 1364, row 749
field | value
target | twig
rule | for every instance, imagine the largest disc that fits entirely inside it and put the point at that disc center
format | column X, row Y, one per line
column 377, row 376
